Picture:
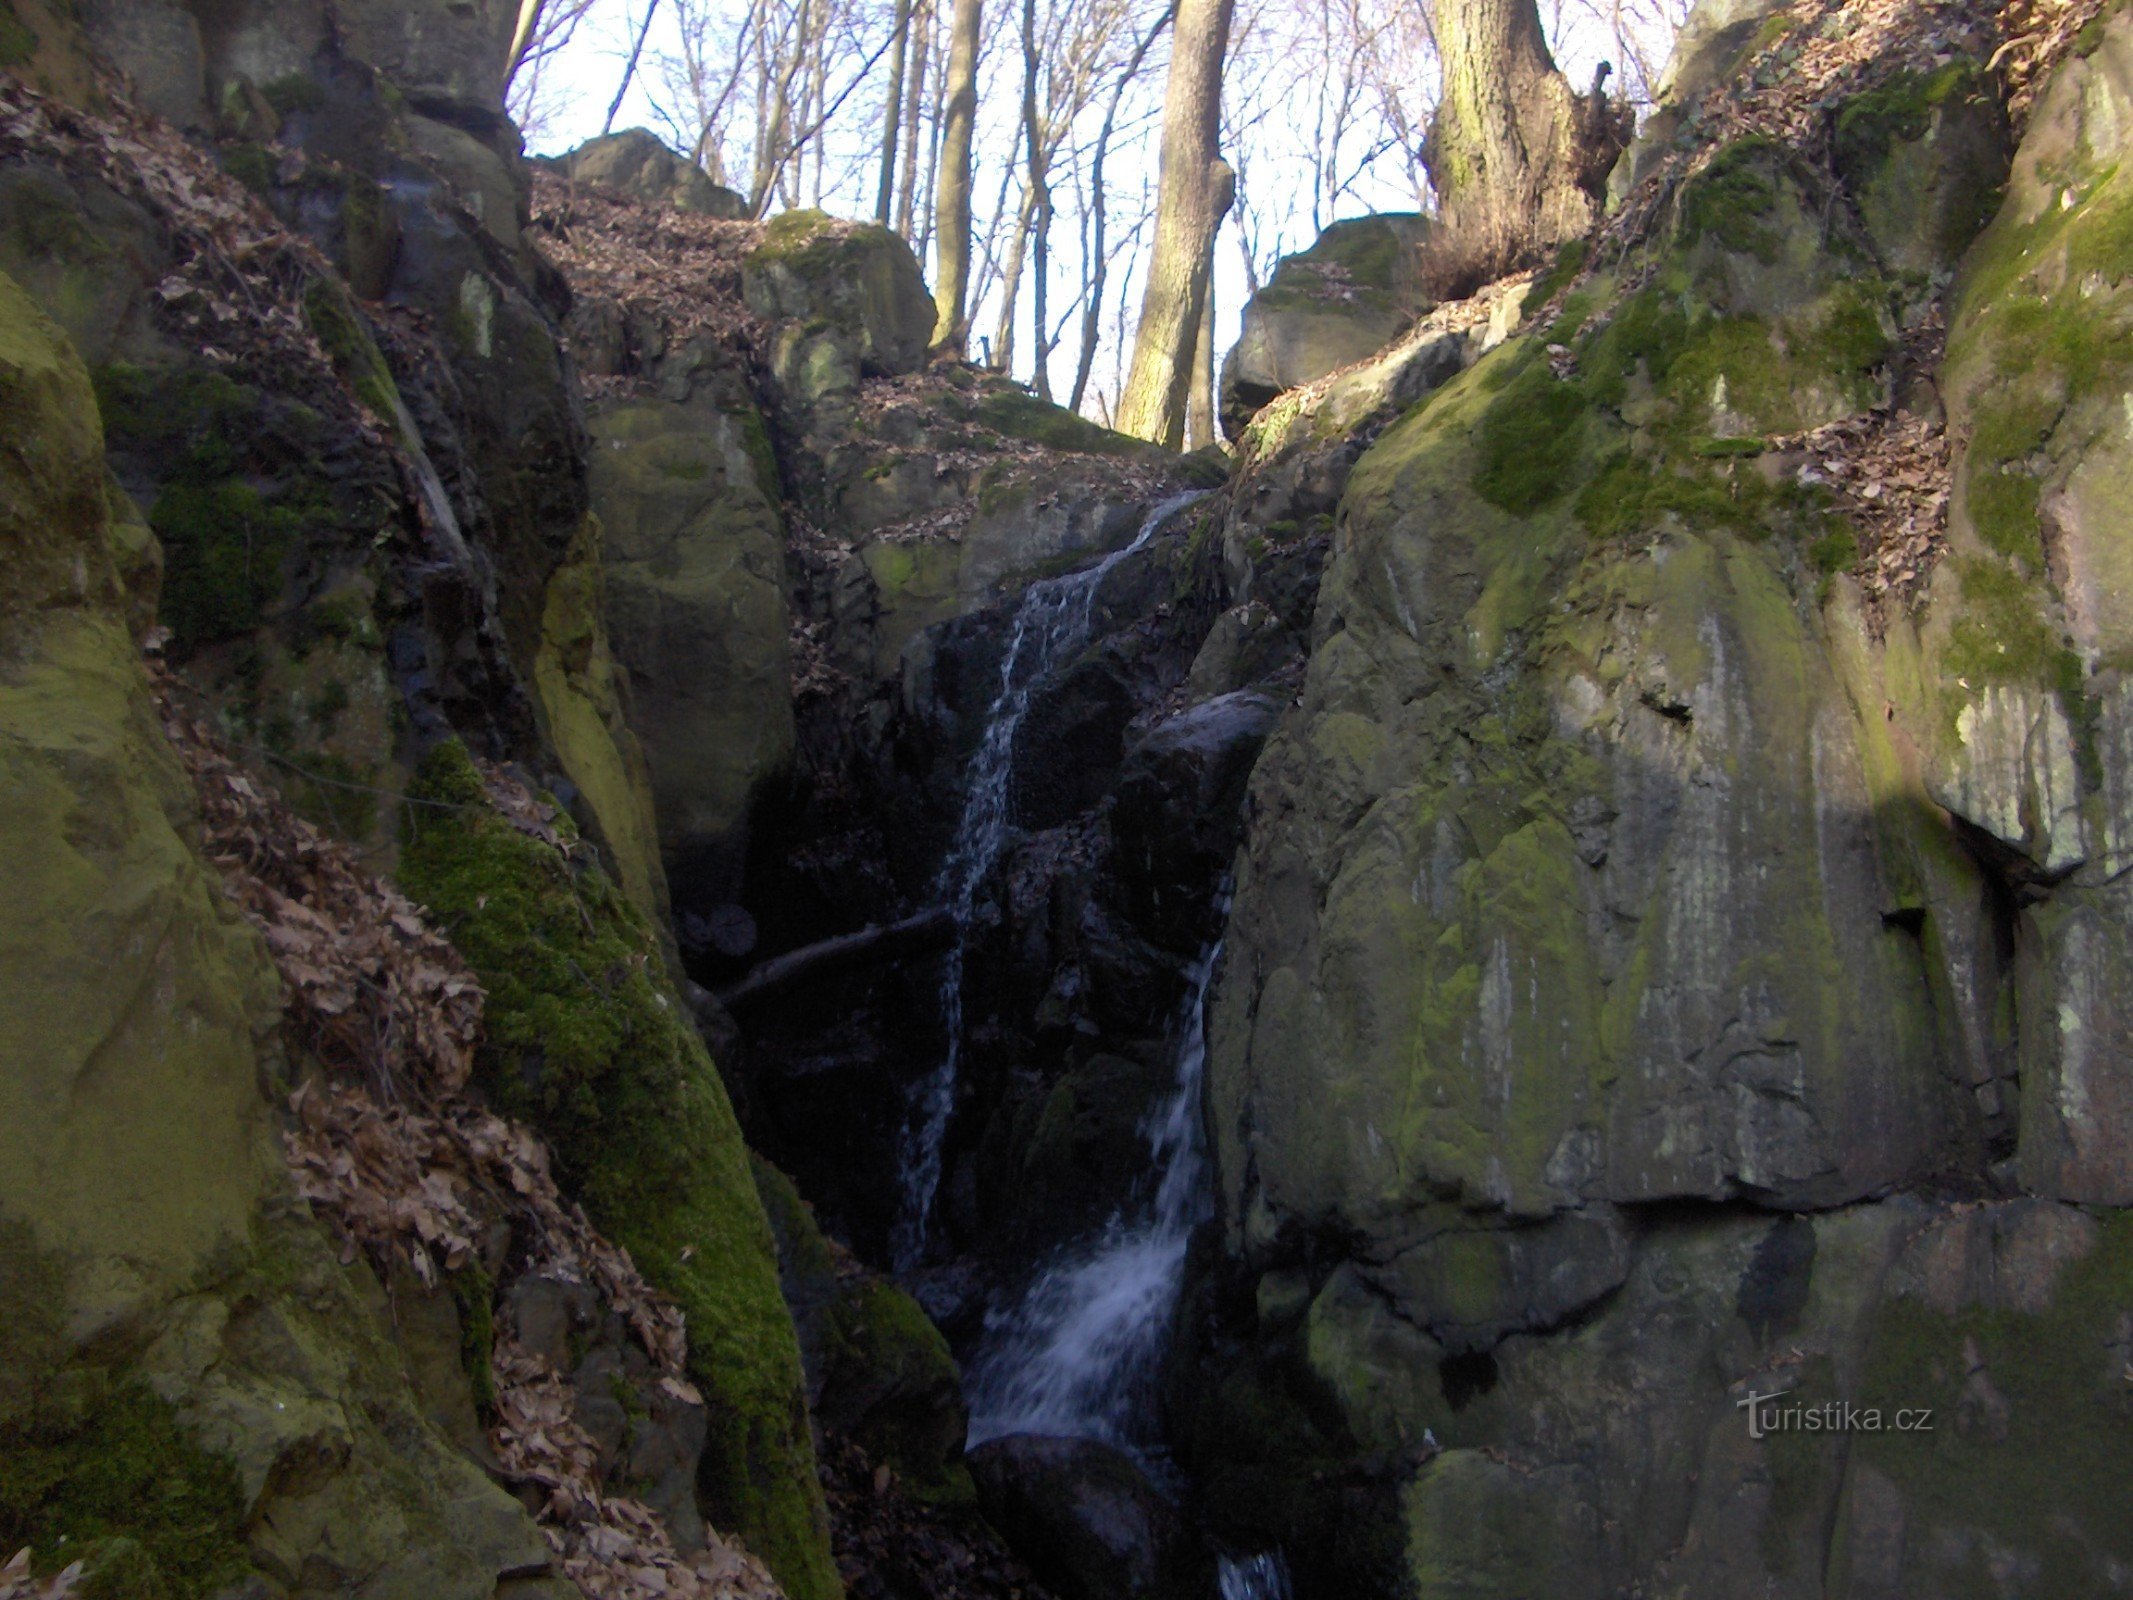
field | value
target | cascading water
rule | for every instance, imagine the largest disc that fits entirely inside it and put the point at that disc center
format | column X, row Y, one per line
column 1078, row 1357
column 1264, row 1576
column 1050, row 624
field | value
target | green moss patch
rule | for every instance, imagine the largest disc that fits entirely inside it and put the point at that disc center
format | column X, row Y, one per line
column 348, row 343
column 1734, row 201
column 1899, row 110
column 95, row 1466
column 587, row 1041
column 1024, row 416
column 17, row 43
column 1530, row 437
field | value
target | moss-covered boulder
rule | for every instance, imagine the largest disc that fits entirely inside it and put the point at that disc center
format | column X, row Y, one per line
column 1925, row 158
column 635, row 163
column 1342, row 300
column 854, row 284
column 588, row 1041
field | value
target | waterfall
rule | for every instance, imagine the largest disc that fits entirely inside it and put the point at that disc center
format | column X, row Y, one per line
column 1078, row 1357
column 1051, row 623
column 1264, row 1576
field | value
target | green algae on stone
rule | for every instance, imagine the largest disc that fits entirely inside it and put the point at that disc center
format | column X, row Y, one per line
column 588, row 1042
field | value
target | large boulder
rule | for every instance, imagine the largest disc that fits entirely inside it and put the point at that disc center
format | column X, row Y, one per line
column 635, row 163
column 1344, row 299
column 850, row 295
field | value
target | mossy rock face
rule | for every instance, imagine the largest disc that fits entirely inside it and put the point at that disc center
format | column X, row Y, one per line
column 2020, row 702
column 1427, row 926
column 1987, row 1318
column 588, row 1041
column 1338, row 302
column 693, row 568
column 2002, row 1323
column 1925, row 158
column 133, row 992
column 580, row 689
column 190, row 1386
column 857, row 281
column 878, row 1371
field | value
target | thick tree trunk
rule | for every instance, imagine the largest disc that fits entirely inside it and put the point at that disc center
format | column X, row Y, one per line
column 1193, row 193
column 951, row 324
column 892, row 116
column 1504, row 152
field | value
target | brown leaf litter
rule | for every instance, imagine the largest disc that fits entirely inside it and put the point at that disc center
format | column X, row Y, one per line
column 399, row 1162
column 18, row 1583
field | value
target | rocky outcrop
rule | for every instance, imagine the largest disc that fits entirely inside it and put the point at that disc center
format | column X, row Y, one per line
column 634, row 163
column 1633, row 900
column 368, row 493
column 1341, row 301
column 194, row 1388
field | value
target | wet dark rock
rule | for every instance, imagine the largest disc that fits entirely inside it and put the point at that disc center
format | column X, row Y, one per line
column 1179, row 814
column 1087, row 1519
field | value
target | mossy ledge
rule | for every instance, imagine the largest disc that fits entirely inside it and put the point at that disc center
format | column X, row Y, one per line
column 586, row 1040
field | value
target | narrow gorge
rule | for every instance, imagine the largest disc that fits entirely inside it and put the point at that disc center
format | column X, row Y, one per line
column 667, row 941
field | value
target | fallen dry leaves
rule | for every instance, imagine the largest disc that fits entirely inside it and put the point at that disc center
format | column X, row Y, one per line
column 1887, row 474
column 401, row 1164
column 17, row 1582
column 372, row 989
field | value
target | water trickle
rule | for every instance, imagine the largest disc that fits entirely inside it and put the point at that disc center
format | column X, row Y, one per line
column 1078, row 1358
column 1264, row 1576
column 1051, row 623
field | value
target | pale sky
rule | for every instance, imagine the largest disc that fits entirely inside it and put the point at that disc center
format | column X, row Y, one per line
column 1267, row 72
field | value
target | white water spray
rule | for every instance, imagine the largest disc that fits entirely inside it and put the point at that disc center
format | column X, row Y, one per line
column 1050, row 624
column 1264, row 1576
column 1078, row 1357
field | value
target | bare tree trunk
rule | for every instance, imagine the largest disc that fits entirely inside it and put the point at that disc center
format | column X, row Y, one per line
column 1200, row 409
column 1193, row 193
column 529, row 19
column 1099, row 261
column 1039, row 202
column 892, row 116
column 629, row 72
column 914, row 113
column 1503, row 151
column 951, row 326
column 1003, row 355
